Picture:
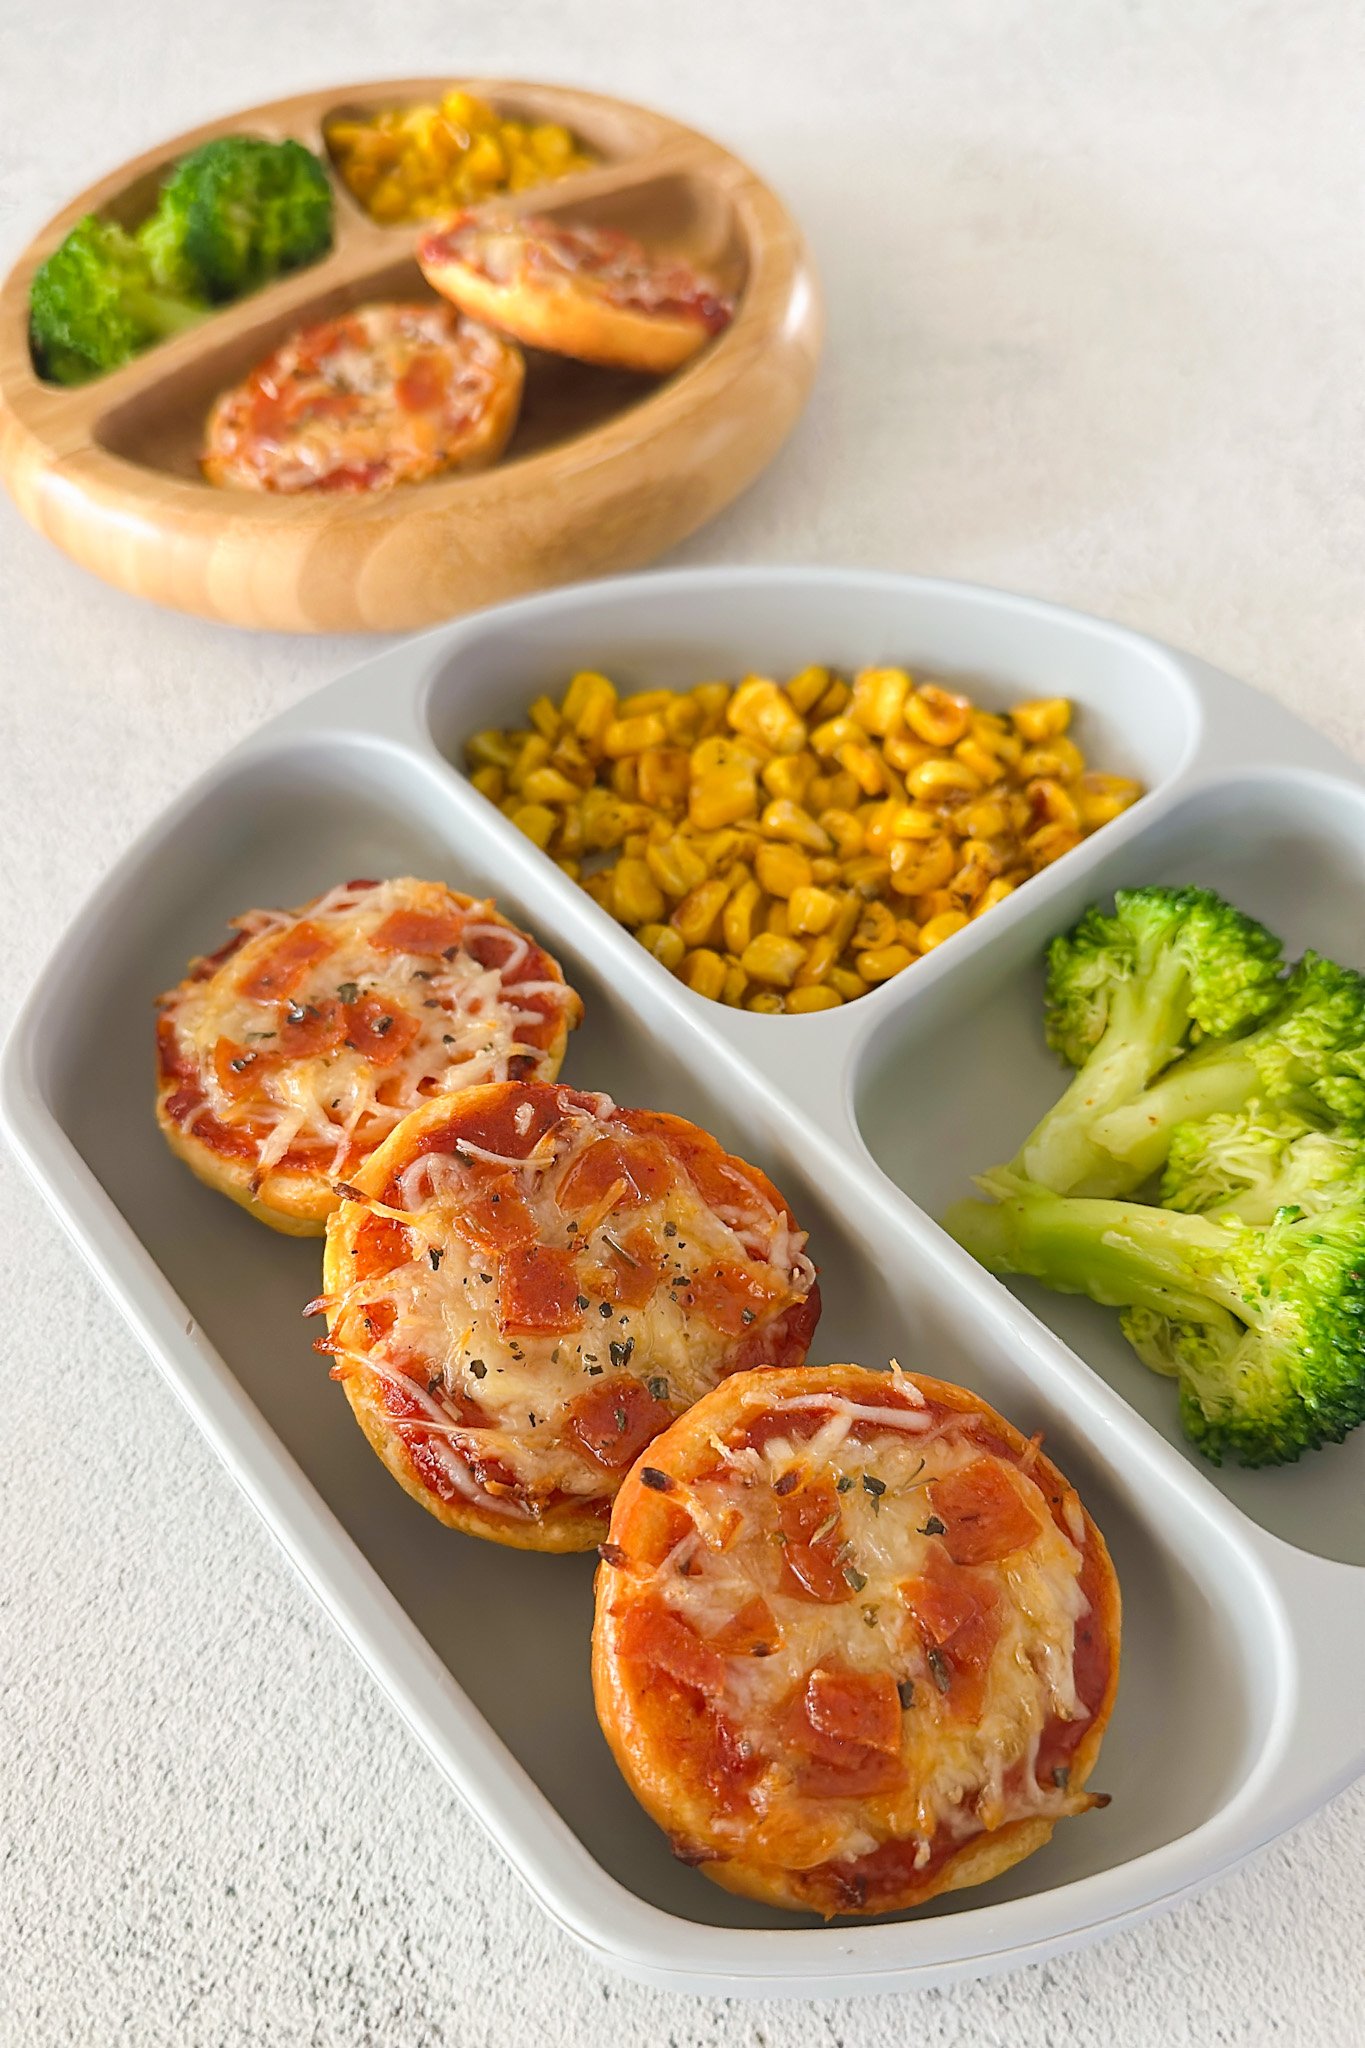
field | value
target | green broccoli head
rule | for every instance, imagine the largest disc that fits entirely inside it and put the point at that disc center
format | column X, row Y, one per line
column 94, row 304
column 241, row 210
column 1260, row 1160
column 1127, row 992
column 1263, row 1327
column 1306, row 1056
column 1217, row 970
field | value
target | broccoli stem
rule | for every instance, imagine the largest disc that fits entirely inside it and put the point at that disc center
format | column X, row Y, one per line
column 1121, row 1254
column 1138, row 1134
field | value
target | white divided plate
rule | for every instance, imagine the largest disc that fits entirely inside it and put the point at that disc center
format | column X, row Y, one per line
column 1244, row 1594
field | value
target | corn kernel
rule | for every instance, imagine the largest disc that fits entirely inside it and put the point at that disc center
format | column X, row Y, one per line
column 537, row 821
column 697, row 917
column 940, row 928
column 879, row 963
column 1100, row 798
column 789, row 821
column 776, row 920
column 1049, row 843
column 683, row 720
column 736, row 984
column 636, row 897
column 664, row 773
column 849, row 985
column 1041, row 718
column 937, row 716
column 867, row 874
column 761, row 712
column 738, row 918
column 711, row 700
column 632, row 735
column 879, row 696
column 1050, row 804
column 490, row 750
column 936, row 780
column 833, row 733
column 532, row 753
column 667, row 946
column 821, row 954
column 589, row 706
column 845, row 832
column 865, row 765
column 810, row 910
column 825, row 868
column 676, row 865
column 770, row 958
column 765, row 1002
column 917, row 865
column 789, row 776
column 985, row 766
column 548, row 786
column 807, row 688
column 834, row 701
column 704, row 971
column 490, row 782
column 993, row 893
column 571, row 868
column 801, row 1002
column 625, row 777
column 875, row 928
column 780, row 869
column 644, row 704
column 546, row 719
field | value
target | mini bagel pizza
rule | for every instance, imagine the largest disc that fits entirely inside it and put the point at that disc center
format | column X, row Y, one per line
column 527, row 1284
column 381, row 396
column 588, row 292
column 288, row 1055
column 856, row 1639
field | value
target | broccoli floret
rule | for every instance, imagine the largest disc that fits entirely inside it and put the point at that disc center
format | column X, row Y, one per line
column 1127, row 993
column 1259, row 1161
column 95, row 303
column 1307, row 1056
column 239, row 211
column 1263, row 1327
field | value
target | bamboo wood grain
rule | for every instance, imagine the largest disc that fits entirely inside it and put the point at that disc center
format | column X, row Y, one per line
column 604, row 472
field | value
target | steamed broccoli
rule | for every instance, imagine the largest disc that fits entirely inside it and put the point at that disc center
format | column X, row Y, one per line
column 237, row 212
column 1263, row 1327
column 1260, row 1160
column 95, row 303
column 1306, row 1056
column 1127, row 993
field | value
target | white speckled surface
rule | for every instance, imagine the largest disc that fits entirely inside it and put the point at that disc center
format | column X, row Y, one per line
column 1096, row 305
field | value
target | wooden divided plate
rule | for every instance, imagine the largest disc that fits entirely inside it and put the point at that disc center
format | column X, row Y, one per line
column 605, row 468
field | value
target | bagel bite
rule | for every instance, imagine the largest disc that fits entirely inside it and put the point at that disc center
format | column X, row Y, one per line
column 285, row 1057
column 525, row 1284
column 588, row 292
column 856, row 1639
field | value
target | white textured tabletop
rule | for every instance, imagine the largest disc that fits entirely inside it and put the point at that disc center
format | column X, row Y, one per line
column 1096, row 303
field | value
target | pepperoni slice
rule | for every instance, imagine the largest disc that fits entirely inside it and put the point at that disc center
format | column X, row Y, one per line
column 612, row 1176
column 240, row 1069
column 630, row 1274
column 427, row 934
column 846, row 1726
column 651, row 1634
column 812, row 1532
column 732, row 1297
column 494, row 1218
column 311, row 1028
column 537, row 1291
column 752, row 1632
column 382, row 1032
column 958, row 1613
column 984, row 1514
column 381, row 1245
column 285, row 964
column 615, row 1420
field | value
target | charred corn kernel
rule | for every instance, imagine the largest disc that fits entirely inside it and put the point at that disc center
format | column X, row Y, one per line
column 547, row 721
column 810, row 911
column 704, row 971
column 789, row 776
column 606, row 819
column 1050, row 804
column 879, row 696
column 490, row 750
column 937, row 716
column 490, row 782
column 664, row 943
column 985, row 766
column 807, row 688
column 940, row 928
column 772, row 959
column 936, row 780
column 697, row 917
column 849, row 984
column 1100, row 798
column 645, row 704
column 985, row 820
column 1049, row 843
column 664, row 774
column 637, row 899
column 825, row 868
column 676, row 866
column 789, row 821
column 736, row 984
column 845, row 832
column 917, row 865
column 632, row 735
column 865, row 765
column 800, row 1002
column 569, row 867
column 875, row 928
column 548, row 786
column 993, row 893
column 683, row 719
column 821, row 955
column 625, row 777
column 867, row 873
column 711, row 700
column 907, row 932
column 1041, row 718
column 765, row 1002
column 763, row 713
column 934, row 903
column 834, row 701
column 740, row 916
column 879, row 963
column 780, row 869
column 776, row 920
column 537, row 821
column 726, row 848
